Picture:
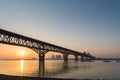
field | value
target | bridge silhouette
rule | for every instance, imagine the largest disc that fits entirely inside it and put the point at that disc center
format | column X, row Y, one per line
column 40, row 47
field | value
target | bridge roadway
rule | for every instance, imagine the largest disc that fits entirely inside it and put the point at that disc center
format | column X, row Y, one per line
column 40, row 47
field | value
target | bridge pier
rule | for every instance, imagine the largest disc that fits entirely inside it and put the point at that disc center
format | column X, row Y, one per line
column 65, row 56
column 76, row 58
column 41, row 68
column 41, row 57
column 86, row 59
column 89, row 59
column 82, row 58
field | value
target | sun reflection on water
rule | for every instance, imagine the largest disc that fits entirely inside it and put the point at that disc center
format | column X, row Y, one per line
column 21, row 66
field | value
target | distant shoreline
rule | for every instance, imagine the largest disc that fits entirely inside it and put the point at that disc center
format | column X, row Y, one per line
column 57, row 59
column 34, row 59
column 18, row 59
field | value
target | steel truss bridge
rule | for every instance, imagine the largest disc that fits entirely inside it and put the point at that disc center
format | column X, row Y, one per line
column 40, row 47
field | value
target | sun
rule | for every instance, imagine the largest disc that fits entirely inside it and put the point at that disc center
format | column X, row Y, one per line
column 22, row 53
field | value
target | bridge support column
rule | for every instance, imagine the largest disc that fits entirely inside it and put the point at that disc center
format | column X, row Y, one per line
column 65, row 56
column 41, row 57
column 41, row 68
column 89, row 59
column 76, row 58
column 86, row 59
column 41, row 54
column 82, row 58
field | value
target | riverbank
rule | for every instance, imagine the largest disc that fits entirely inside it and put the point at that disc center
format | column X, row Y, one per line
column 9, row 77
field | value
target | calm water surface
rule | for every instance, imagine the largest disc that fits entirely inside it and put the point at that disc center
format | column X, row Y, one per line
column 60, row 69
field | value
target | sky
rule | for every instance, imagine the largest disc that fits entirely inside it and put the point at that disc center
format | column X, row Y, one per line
column 83, row 25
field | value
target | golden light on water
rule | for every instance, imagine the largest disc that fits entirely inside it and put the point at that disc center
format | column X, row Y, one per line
column 21, row 66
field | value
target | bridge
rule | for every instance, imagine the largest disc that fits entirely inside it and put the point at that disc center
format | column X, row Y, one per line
column 40, row 47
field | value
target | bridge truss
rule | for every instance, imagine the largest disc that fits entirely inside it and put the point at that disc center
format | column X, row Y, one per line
column 40, row 47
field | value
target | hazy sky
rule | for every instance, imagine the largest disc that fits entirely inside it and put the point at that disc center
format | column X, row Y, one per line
column 83, row 25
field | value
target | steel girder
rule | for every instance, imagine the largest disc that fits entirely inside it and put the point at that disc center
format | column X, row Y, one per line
column 7, row 37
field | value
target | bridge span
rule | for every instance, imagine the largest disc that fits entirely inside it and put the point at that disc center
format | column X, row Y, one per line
column 40, row 47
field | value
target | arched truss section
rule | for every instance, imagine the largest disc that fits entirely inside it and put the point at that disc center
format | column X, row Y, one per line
column 38, row 46
column 40, row 50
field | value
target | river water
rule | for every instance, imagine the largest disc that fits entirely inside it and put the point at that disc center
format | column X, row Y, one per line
column 61, row 69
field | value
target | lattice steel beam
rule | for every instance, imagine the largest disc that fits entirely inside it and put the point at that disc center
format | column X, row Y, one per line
column 7, row 37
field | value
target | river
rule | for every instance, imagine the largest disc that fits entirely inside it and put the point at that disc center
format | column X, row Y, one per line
column 61, row 69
